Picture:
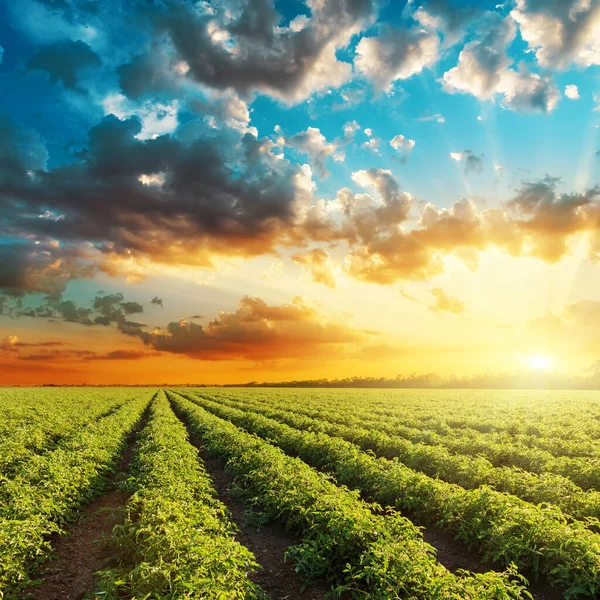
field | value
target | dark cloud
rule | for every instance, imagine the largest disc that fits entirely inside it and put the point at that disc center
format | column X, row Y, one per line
column 64, row 60
column 288, row 62
column 45, row 267
column 156, row 300
column 105, row 310
column 72, row 11
column 120, row 355
column 213, row 196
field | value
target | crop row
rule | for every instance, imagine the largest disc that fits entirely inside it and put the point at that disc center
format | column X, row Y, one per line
column 500, row 526
column 29, row 433
column 584, row 472
column 436, row 461
column 177, row 541
column 343, row 540
column 50, row 488
column 526, row 414
column 566, row 435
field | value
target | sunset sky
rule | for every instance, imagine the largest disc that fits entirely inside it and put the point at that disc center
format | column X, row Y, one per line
column 240, row 190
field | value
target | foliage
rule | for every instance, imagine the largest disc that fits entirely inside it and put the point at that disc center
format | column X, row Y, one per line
column 343, row 539
column 500, row 526
column 50, row 488
column 177, row 541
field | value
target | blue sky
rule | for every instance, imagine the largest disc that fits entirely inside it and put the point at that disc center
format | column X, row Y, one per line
column 318, row 149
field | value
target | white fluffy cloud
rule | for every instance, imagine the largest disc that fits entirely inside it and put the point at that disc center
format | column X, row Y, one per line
column 373, row 145
column 485, row 71
column 396, row 54
column 402, row 144
column 315, row 145
column 572, row 92
column 560, row 32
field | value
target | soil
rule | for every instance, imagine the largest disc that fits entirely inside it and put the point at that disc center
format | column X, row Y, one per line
column 269, row 544
column 83, row 550
column 454, row 555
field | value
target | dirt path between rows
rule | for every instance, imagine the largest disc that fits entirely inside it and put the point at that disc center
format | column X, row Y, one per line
column 269, row 544
column 83, row 550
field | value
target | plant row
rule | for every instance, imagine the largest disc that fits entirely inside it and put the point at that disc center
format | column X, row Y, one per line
column 437, row 461
column 30, row 429
column 502, row 527
column 584, row 472
column 50, row 488
column 177, row 541
column 343, row 540
column 571, row 430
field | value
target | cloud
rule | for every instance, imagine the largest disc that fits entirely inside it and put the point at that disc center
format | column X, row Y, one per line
column 537, row 222
column 220, row 195
column 315, row 145
column 350, row 128
column 560, row 32
column 244, row 47
column 157, row 118
column 445, row 303
column 402, row 144
column 395, row 54
column 484, row 70
column 156, row 300
column 373, row 145
column 255, row 331
column 428, row 116
column 44, row 267
column 317, row 263
column 572, row 92
column 451, row 21
column 64, row 60
column 550, row 219
column 571, row 329
column 368, row 132
column 105, row 310
column 120, row 355
column 472, row 162
column 9, row 344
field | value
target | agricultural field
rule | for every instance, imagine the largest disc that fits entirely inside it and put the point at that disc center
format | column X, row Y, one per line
column 255, row 493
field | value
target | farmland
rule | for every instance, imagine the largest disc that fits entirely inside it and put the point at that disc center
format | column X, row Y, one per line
column 230, row 493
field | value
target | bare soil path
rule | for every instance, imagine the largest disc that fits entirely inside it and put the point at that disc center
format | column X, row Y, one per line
column 83, row 550
column 269, row 544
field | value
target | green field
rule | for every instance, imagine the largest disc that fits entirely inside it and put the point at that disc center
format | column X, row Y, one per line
column 224, row 493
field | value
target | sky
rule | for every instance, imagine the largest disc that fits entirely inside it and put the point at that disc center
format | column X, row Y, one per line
column 262, row 190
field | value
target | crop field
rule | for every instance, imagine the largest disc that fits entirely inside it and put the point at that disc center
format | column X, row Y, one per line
column 255, row 493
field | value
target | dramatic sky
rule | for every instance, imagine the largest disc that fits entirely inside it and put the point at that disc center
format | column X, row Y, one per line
column 248, row 190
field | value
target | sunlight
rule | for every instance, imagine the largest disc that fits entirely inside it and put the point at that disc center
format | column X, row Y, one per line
column 540, row 362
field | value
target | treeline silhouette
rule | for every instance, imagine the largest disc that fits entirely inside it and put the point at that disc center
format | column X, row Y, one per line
column 521, row 380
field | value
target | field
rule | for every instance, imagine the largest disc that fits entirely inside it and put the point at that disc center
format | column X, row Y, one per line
column 227, row 493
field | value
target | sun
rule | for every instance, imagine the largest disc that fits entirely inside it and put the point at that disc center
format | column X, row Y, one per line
column 539, row 362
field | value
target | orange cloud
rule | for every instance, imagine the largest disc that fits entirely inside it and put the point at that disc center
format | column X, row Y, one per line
column 317, row 263
column 255, row 331
column 446, row 303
